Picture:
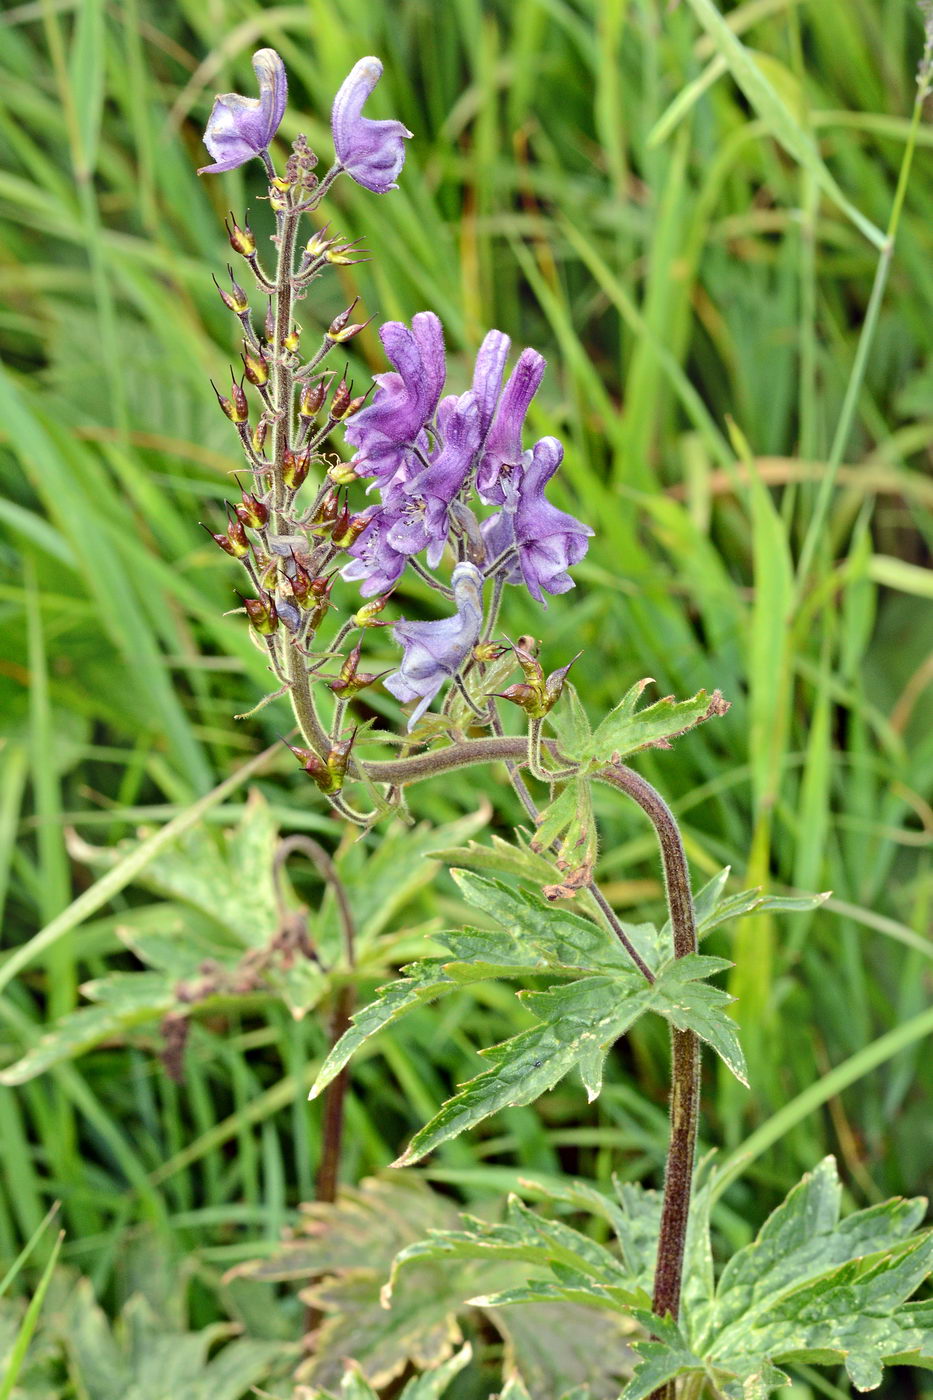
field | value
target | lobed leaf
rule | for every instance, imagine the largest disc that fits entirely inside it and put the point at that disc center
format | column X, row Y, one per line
column 626, row 729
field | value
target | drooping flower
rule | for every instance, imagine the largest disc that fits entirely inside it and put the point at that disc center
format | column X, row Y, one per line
column 435, row 651
column 503, row 449
column 371, row 152
column 547, row 540
column 239, row 128
column 405, row 401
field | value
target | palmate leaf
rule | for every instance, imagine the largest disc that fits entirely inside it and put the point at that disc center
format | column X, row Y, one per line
column 809, row 1288
column 627, row 729
column 347, row 1250
column 578, row 1020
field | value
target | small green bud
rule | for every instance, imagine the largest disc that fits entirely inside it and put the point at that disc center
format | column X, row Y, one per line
column 366, row 615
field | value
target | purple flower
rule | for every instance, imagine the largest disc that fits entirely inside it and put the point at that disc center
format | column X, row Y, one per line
column 370, row 152
column 435, row 651
column 424, row 521
column 503, row 449
column 547, row 540
column 405, row 401
column 376, row 564
column 239, row 128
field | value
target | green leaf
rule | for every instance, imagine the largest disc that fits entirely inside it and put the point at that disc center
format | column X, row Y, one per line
column 529, row 1238
column 143, row 1358
column 569, row 721
column 579, row 1022
column 126, row 1000
column 809, row 1288
column 574, row 1020
column 432, row 1384
column 568, row 823
column 625, row 729
column 711, row 908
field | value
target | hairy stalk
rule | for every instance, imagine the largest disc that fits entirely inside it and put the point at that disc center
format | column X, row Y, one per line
column 685, row 1048
column 329, row 1167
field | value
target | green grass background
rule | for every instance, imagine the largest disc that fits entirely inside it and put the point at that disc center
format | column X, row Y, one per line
column 697, row 267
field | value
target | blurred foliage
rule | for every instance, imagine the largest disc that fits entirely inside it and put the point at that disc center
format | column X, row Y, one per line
column 587, row 176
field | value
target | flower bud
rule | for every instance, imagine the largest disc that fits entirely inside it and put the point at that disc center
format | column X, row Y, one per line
column 312, row 399
column 237, row 410
column 236, row 299
column 348, row 528
column 295, row 467
column 251, row 511
column 241, row 239
column 318, row 243
column 293, row 339
column 366, row 615
column 341, row 400
column 255, row 367
column 262, row 614
column 488, row 651
column 234, row 542
column 342, row 473
column 258, row 439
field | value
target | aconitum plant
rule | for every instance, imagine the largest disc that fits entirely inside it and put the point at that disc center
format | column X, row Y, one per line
column 351, row 488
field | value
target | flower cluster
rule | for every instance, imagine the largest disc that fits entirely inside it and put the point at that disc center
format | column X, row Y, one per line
column 433, row 458
column 452, row 475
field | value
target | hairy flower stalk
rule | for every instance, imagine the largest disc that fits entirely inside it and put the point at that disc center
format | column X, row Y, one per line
column 443, row 490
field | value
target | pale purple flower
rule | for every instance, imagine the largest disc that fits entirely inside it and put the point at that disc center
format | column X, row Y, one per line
column 502, row 453
column 371, row 152
column 435, row 651
column 424, row 521
column 239, row 128
column 405, row 402
column 547, row 540
column 376, row 565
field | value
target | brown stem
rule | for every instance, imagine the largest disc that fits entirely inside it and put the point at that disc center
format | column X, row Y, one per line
column 329, row 1168
column 685, row 1049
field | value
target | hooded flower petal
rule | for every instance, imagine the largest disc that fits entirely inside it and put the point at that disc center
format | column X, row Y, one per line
column 239, row 128
column 504, row 444
column 405, row 401
column 549, row 540
column 487, row 376
column 435, row 651
column 370, row 152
